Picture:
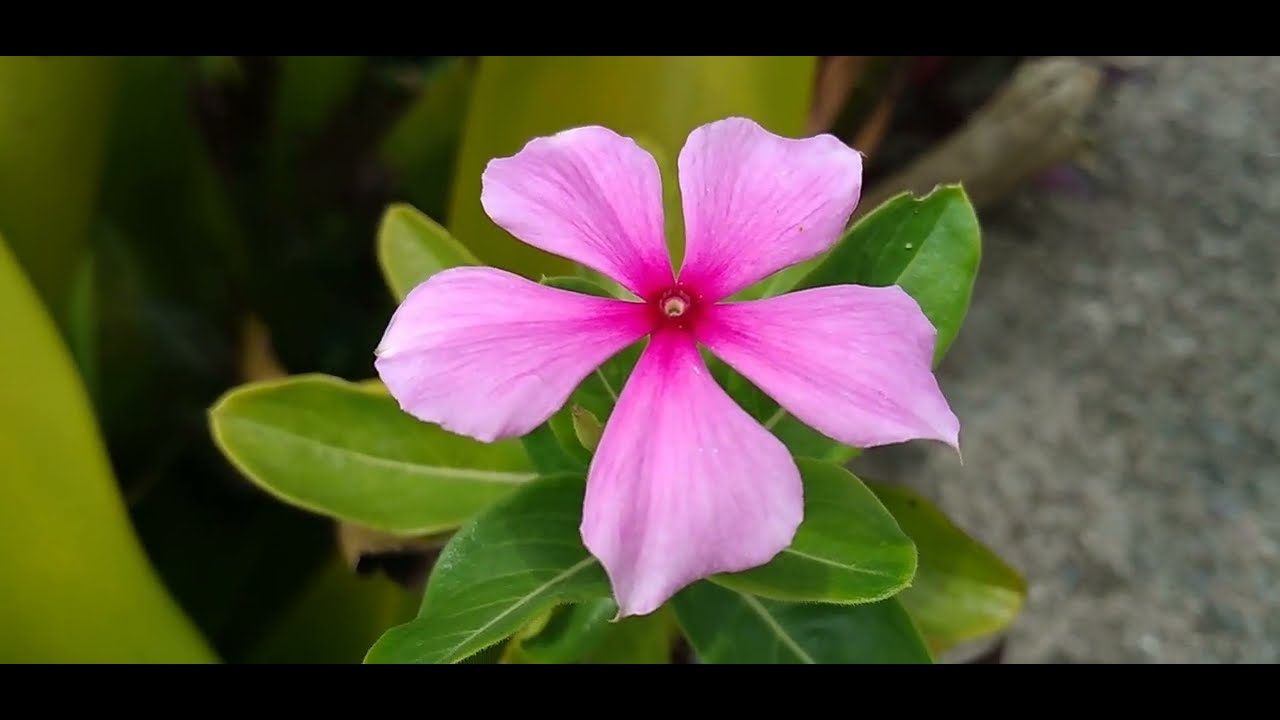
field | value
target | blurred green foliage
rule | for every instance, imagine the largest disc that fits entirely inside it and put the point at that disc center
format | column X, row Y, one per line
column 159, row 205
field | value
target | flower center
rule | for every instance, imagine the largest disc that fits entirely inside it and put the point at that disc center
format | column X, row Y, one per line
column 674, row 307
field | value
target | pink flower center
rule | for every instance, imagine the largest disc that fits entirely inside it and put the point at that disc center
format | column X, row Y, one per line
column 674, row 308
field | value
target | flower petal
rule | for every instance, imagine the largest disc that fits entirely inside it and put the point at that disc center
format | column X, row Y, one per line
column 684, row 484
column 589, row 195
column 756, row 202
column 491, row 355
column 853, row 362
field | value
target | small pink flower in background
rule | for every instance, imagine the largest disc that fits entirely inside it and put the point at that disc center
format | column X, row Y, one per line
column 684, row 483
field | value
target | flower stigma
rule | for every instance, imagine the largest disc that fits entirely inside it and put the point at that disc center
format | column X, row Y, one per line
column 674, row 308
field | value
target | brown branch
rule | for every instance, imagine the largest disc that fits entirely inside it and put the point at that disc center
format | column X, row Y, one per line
column 837, row 76
column 1032, row 123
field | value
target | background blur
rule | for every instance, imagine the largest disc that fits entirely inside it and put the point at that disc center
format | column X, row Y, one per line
column 188, row 224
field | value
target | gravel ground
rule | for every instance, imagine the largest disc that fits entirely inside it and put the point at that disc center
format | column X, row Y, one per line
column 1118, row 381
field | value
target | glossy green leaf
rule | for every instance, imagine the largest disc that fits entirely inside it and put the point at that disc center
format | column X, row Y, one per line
column 929, row 246
column 551, row 446
column 725, row 627
column 849, row 548
column 412, row 247
column 657, row 98
column 55, row 117
column 334, row 448
column 491, row 655
column 515, row 561
column 962, row 591
column 78, row 587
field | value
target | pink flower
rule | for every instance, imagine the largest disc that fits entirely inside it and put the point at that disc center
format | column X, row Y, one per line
column 684, row 483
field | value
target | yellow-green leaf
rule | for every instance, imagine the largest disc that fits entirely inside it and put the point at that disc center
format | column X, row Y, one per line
column 77, row 585
column 962, row 591
column 657, row 98
column 349, row 452
column 412, row 247
column 55, row 114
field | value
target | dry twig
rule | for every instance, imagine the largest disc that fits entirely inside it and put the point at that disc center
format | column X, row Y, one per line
column 1032, row 123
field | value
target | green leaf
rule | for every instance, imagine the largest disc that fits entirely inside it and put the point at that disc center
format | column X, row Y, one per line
column 491, row 655
column 929, row 246
column 849, row 548
column 412, row 247
column 334, row 448
column 78, row 586
column 55, row 118
column 658, row 98
column 551, row 447
column 518, row 559
column 962, row 591
column 727, row 627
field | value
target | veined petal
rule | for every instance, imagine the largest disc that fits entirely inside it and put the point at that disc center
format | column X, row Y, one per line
column 756, row 202
column 491, row 355
column 853, row 362
column 589, row 195
column 684, row 484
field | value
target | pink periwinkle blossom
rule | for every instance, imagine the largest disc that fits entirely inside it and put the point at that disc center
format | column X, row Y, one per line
column 684, row 484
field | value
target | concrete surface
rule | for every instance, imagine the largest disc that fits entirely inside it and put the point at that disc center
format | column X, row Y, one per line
column 1118, row 382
